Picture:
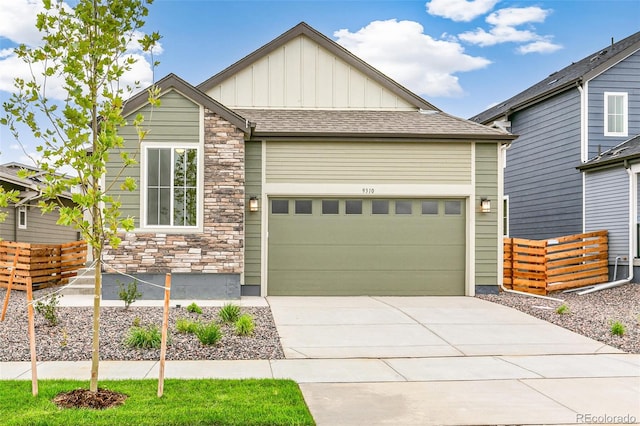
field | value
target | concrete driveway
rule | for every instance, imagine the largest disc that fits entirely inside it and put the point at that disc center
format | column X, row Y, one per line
column 447, row 360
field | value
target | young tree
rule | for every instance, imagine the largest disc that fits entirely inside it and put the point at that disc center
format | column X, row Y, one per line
column 86, row 46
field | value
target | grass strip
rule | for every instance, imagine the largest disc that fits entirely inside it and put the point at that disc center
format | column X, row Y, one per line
column 185, row 402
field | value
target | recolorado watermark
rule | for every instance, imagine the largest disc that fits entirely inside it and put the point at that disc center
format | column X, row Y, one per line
column 605, row 418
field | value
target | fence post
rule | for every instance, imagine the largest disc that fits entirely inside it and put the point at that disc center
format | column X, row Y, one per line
column 165, row 326
column 11, row 278
column 32, row 338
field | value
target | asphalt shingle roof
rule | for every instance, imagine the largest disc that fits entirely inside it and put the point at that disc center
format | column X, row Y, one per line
column 558, row 81
column 366, row 123
column 629, row 149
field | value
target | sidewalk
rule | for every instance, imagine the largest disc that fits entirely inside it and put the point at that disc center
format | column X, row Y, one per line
column 560, row 389
column 412, row 361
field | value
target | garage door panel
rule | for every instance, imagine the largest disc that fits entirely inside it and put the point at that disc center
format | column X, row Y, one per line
column 366, row 254
column 295, row 231
column 363, row 257
column 374, row 283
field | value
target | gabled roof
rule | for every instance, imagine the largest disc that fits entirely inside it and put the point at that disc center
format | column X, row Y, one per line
column 172, row 81
column 565, row 79
column 32, row 185
column 368, row 125
column 303, row 29
column 626, row 151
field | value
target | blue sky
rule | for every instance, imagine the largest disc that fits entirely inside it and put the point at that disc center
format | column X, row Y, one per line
column 461, row 55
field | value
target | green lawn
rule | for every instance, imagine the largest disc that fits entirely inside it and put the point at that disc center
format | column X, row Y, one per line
column 185, row 402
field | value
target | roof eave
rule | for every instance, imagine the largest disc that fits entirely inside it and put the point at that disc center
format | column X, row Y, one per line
column 618, row 57
column 172, row 81
column 619, row 161
column 532, row 101
column 376, row 137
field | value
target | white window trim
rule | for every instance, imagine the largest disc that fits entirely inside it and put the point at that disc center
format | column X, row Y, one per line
column 143, row 193
column 625, row 114
column 22, row 209
column 505, row 215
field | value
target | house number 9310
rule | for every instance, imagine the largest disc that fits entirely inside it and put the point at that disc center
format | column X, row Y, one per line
column 368, row 190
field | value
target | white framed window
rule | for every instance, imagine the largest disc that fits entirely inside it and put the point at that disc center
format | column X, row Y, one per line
column 615, row 113
column 171, row 186
column 505, row 216
column 22, row 217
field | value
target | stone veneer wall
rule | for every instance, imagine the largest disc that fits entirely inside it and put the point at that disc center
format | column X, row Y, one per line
column 219, row 249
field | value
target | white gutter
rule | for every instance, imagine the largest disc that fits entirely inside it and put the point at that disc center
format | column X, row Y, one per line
column 632, row 215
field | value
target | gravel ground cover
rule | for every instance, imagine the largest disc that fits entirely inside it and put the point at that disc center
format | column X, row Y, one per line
column 590, row 315
column 70, row 340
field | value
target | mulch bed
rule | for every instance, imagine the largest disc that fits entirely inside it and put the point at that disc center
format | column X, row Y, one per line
column 84, row 398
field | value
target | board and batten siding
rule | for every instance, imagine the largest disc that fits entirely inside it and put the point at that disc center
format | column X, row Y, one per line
column 253, row 222
column 607, row 207
column 353, row 162
column 177, row 119
column 487, row 239
column 541, row 180
column 302, row 74
column 623, row 77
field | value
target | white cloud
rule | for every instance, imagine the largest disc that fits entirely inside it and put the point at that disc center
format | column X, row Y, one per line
column 514, row 16
column 17, row 21
column 17, row 24
column 403, row 52
column 503, row 30
column 460, row 10
column 497, row 35
column 541, row 46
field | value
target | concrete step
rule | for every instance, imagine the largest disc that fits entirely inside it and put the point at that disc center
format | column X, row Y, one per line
column 78, row 289
column 82, row 284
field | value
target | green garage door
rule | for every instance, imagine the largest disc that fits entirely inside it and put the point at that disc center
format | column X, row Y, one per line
column 366, row 246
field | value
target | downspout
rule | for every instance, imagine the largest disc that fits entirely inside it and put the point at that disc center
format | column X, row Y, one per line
column 503, row 149
column 632, row 200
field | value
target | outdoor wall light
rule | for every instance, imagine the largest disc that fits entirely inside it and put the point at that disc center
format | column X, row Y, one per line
column 253, row 204
column 485, row 205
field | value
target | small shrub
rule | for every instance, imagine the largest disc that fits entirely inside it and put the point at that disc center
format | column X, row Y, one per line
column 208, row 334
column 149, row 337
column 130, row 294
column 49, row 309
column 618, row 328
column 64, row 339
column 563, row 309
column 245, row 325
column 185, row 325
column 136, row 322
column 229, row 313
column 194, row 308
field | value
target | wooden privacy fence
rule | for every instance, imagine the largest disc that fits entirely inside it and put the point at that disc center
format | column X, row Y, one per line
column 540, row 267
column 46, row 264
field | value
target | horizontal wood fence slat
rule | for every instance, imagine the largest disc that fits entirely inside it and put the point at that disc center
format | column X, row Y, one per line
column 570, row 261
column 45, row 264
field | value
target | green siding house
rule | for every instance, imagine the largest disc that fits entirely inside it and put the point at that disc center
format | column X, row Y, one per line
column 302, row 170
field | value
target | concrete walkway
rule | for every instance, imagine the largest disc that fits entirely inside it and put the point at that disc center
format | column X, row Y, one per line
column 416, row 361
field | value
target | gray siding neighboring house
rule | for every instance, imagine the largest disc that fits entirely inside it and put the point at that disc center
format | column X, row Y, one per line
column 25, row 222
column 612, row 202
column 563, row 121
column 323, row 142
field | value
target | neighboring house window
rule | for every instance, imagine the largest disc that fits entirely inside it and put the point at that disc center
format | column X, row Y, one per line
column 505, row 216
column 22, row 217
column 172, row 186
column 615, row 114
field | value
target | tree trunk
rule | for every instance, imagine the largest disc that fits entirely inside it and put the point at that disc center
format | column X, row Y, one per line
column 97, row 292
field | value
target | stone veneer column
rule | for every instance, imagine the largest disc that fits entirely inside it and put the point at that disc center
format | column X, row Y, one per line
column 219, row 249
